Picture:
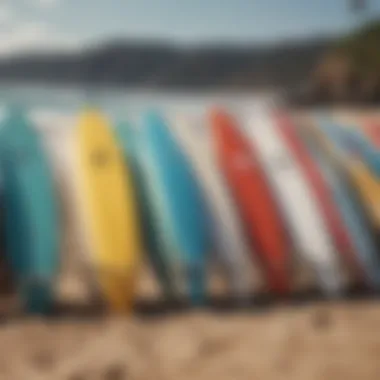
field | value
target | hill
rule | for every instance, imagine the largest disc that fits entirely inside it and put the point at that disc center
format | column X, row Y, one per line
column 152, row 65
column 350, row 70
column 311, row 71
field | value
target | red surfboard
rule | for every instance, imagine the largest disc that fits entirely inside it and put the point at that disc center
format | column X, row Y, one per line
column 248, row 185
column 322, row 192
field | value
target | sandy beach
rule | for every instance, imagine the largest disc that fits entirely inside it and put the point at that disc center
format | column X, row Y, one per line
column 314, row 342
column 309, row 341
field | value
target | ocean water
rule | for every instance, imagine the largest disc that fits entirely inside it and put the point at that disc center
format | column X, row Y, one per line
column 122, row 103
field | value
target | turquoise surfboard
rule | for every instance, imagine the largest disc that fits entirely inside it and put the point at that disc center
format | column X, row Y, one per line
column 128, row 140
column 348, row 206
column 178, row 207
column 6, row 280
column 31, row 215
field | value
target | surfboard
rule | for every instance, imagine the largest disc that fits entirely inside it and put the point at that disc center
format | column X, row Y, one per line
column 31, row 214
column 363, row 258
column 372, row 129
column 6, row 275
column 109, row 210
column 178, row 206
column 319, row 186
column 77, row 283
column 367, row 185
column 296, row 200
column 361, row 137
column 248, row 184
column 366, row 150
column 364, row 138
column 230, row 246
column 128, row 139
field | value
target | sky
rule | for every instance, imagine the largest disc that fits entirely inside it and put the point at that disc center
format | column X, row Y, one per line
column 72, row 24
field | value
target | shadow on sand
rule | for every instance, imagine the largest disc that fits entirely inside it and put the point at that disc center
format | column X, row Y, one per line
column 221, row 305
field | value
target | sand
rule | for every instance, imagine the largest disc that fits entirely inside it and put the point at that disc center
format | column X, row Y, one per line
column 317, row 341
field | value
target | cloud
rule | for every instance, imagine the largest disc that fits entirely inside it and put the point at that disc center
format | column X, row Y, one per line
column 32, row 36
column 5, row 14
column 46, row 3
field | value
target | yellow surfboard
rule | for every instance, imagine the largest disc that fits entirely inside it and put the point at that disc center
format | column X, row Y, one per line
column 109, row 210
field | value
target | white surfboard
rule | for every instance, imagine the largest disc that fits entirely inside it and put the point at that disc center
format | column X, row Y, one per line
column 57, row 132
column 296, row 201
column 231, row 249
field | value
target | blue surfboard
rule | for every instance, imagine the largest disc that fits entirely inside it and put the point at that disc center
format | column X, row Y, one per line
column 128, row 140
column 359, row 144
column 348, row 204
column 31, row 215
column 178, row 206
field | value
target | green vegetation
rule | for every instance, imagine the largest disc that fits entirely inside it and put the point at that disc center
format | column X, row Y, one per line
column 350, row 69
column 362, row 49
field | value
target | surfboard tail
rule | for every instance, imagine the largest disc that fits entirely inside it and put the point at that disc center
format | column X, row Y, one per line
column 241, row 285
column 167, row 286
column 278, row 281
column 330, row 278
column 118, row 290
column 37, row 296
column 197, row 284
